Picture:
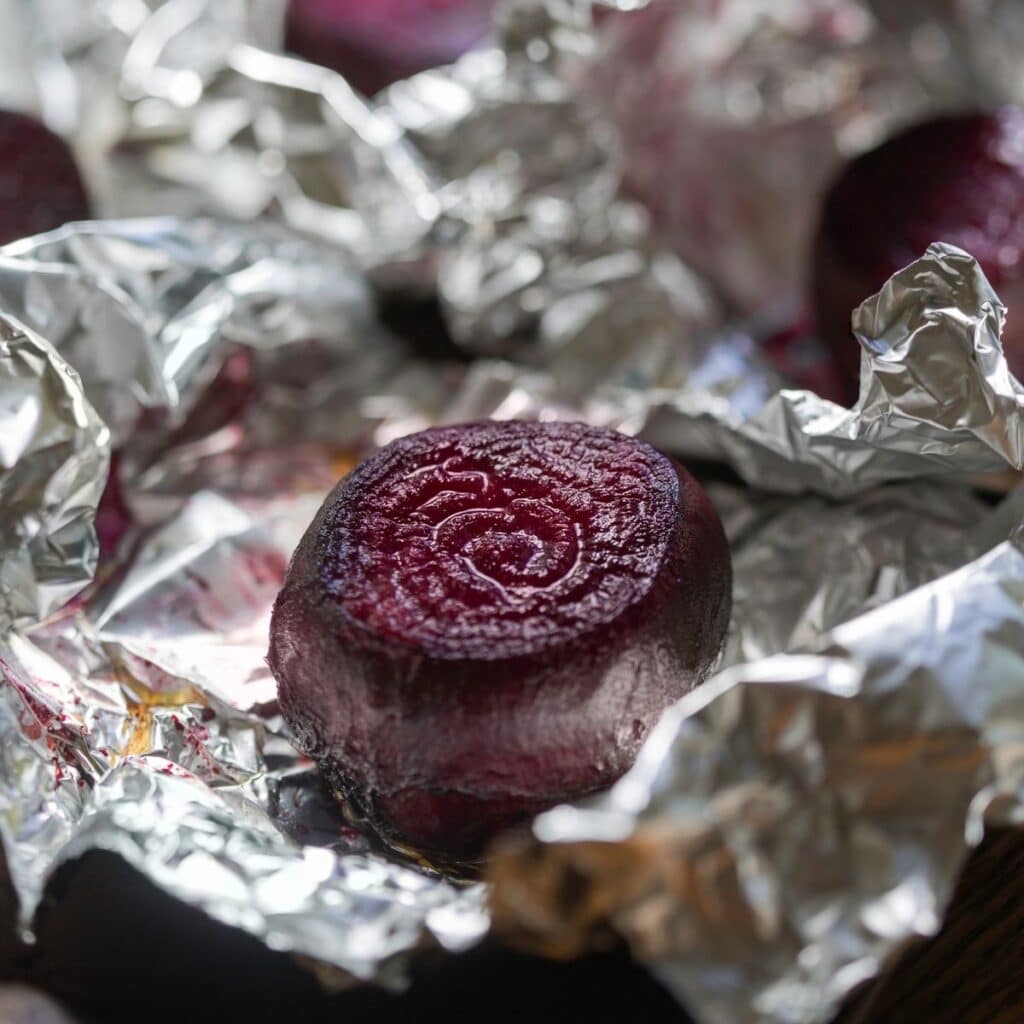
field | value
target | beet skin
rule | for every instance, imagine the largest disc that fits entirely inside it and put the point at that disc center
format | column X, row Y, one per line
column 485, row 620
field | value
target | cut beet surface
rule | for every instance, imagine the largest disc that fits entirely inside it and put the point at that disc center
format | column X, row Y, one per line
column 374, row 43
column 40, row 186
column 957, row 179
column 485, row 620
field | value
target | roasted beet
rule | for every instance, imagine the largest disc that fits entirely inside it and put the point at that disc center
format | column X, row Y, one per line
column 376, row 43
column 956, row 179
column 485, row 620
column 40, row 187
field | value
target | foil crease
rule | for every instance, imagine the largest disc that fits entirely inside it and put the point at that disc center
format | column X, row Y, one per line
column 492, row 182
column 183, row 106
column 803, row 567
column 934, row 384
column 53, row 465
column 227, row 858
column 794, row 823
column 537, row 255
column 144, row 309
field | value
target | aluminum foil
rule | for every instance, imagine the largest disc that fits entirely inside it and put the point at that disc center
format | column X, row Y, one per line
column 792, row 824
column 179, row 107
column 240, row 369
column 936, row 396
column 803, row 567
column 934, row 383
column 22, row 1005
column 144, row 308
column 141, row 717
column 490, row 182
column 53, row 464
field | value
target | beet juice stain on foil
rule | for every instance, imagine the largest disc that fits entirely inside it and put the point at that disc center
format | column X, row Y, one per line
column 136, row 716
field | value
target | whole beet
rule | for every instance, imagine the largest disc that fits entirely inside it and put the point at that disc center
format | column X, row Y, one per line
column 956, row 179
column 485, row 620
column 374, row 43
column 40, row 186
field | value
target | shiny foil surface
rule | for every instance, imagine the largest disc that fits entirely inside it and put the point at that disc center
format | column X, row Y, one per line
column 791, row 825
column 788, row 827
column 54, row 451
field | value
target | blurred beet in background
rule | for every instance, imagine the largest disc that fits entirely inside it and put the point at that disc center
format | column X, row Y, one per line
column 376, row 42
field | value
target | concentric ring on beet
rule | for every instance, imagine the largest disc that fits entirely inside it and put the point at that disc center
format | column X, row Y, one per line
column 485, row 620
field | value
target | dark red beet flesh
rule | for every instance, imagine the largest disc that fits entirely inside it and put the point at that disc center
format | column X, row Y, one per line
column 957, row 179
column 376, row 42
column 40, row 187
column 485, row 620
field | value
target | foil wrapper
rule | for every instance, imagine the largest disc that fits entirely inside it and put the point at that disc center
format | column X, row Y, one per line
column 140, row 308
column 873, row 548
column 491, row 182
column 240, row 367
column 955, row 396
column 181, row 107
column 794, row 822
column 54, row 451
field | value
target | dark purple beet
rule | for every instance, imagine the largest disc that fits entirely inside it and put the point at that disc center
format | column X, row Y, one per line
column 40, row 187
column 485, row 620
column 376, row 43
column 957, row 179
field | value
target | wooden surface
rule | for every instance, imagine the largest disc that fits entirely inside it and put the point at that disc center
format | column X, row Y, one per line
column 973, row 971
column 114, row 949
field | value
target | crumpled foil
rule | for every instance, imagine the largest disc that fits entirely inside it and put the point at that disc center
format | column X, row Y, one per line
column 240, row 369
column 794, row 822
column 138, row 307
column 53, row 463
column 180, row 107
column 961, row 399
column 737, row 113
column 141, row 718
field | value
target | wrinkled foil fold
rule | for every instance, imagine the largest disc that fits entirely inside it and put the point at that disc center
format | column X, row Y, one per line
column 54, row 451
column 792, row 824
